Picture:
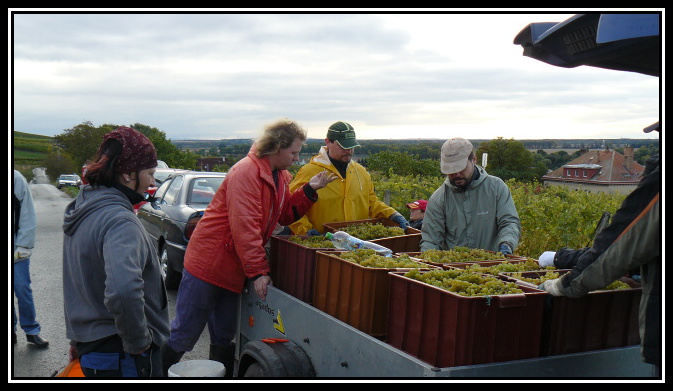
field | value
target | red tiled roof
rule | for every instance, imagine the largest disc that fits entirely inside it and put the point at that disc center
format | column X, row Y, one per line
column 613, row 168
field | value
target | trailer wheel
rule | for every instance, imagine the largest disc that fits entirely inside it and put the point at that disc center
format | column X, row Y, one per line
column 286, row 359
column 255, row 370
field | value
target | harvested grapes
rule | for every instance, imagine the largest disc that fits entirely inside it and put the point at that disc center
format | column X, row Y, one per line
column 465, row 283
column 369, row 258
column 508, row 267
column 370, row 231
column 459, row 254
column 616, row 285
column 312, row 241
column 550, row 275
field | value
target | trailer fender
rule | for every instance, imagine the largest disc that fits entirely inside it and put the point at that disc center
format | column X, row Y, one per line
column 284, row 359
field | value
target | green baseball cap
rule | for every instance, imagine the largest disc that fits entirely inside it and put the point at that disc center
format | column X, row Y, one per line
column 344, row 134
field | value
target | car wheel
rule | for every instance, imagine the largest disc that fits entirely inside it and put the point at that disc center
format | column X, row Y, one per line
column 171, row 277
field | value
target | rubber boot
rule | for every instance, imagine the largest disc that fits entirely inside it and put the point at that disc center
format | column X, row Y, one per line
column 169, row 357
column 225, row 355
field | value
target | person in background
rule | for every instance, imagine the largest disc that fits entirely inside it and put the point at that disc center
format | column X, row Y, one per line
column 417, row 213
column 116, row 307
column 351, row 197
column 25, row 223
column 471, row 208
column 227, row 247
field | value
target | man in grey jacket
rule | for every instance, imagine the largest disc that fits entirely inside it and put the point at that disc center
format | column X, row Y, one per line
column 471, row 208
column 116, row 307
column 25, row 223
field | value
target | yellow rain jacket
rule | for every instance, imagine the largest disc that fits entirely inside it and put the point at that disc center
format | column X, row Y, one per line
column 347, row 199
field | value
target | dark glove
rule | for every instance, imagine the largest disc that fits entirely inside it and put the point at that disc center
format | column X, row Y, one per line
column 399, row 219
column 505, row 249
column 313, row 232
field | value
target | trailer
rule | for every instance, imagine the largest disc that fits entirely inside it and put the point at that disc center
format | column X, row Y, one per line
column 284, row 337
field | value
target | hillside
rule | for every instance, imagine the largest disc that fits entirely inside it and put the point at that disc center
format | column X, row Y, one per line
column 30, row 149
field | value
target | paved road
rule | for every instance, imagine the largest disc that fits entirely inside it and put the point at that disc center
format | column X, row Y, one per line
column 46, row 275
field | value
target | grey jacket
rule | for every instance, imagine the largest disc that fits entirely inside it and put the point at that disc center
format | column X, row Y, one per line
column 24, row 228
column 639, row 245
column 111, row 275
column 482, row 217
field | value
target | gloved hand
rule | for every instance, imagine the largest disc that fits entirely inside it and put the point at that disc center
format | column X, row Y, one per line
column 551, row 286
column 399, row 219
column 547, row 258
column 505, row 248
column 21, row 253
column 313, row 232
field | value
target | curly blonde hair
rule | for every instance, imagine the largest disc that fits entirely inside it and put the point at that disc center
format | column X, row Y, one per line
column 278, row 135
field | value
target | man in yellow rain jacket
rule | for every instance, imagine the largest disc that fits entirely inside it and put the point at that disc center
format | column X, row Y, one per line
column 351, row 196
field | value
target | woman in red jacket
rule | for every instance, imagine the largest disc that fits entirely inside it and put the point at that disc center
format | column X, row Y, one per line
column 227, row 246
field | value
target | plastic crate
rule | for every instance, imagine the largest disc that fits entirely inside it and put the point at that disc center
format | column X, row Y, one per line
column 293, row 266
column 508, row 258
column 354, row 294
column 600, row 320
column 410, row 241
column 446, row 329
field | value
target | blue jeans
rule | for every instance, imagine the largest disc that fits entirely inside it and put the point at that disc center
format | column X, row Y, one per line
column 200, row 303
column 24, row 296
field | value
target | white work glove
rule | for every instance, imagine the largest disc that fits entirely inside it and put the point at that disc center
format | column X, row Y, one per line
column 547, row 258
column 21, row 253
column 552, row 287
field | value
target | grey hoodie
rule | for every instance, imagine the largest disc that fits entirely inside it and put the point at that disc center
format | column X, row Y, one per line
column 111, row 275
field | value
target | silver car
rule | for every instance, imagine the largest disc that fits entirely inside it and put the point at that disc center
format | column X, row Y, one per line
column 68, row 180
column 171, row 217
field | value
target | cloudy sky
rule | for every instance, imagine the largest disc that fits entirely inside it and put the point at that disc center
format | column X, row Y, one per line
column 391, row 75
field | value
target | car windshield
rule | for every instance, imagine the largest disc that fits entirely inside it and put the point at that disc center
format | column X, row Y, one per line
column 202, row 190
column 69, row 177
column 160, row 176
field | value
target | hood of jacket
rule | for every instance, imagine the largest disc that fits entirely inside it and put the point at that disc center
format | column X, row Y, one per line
column 89, row 201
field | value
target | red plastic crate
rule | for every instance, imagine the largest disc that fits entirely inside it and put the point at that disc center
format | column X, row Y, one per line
column 410, row 241
column 447, row 329
column 599, row 320
column 293, row 267
column 354, row 294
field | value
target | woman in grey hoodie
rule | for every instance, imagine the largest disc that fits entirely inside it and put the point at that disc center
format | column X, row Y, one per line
column 116, row 308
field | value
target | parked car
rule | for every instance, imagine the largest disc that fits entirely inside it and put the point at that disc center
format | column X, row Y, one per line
column 170, row 219
column 162, row 173
column 68, row 180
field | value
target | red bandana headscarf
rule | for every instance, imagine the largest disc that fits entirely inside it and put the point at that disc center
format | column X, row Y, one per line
column 138, row 152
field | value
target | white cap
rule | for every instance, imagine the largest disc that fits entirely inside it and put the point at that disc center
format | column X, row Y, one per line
column 454, row 155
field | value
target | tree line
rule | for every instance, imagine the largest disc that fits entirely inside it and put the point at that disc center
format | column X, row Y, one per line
column 507, row 158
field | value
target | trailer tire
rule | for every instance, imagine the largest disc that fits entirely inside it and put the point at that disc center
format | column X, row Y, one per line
column 255, row 370
column 260, row 359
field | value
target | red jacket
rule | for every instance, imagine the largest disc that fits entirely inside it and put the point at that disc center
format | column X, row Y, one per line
column 228, row 244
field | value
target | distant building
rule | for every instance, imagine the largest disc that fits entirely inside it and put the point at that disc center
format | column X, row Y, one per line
column 208, row 163
column 599, row 171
